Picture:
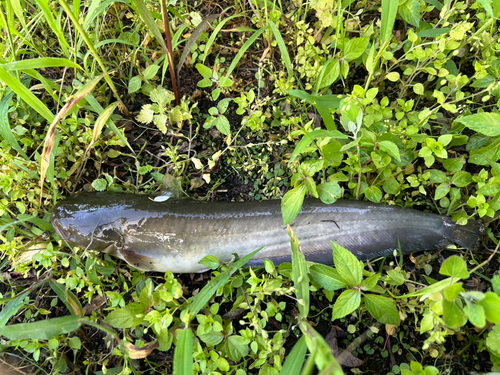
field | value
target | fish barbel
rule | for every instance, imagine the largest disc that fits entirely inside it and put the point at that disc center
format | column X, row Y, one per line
column 176, row 234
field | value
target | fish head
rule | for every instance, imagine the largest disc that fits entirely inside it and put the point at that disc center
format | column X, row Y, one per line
column 87, row 225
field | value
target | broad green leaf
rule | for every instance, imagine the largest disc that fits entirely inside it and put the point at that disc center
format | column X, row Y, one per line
column 454, row 266
column 205, row 71
column 493, row 340
column 292, row 203
column 390, row 148
column 370, row 282
column 452, row 314
column 441, row 191
column 329, row 192
column 491, row 305
column 347, row 302
column 134, row 84
column 327, row 277
column 222, row 124
column 373, row 194
column 300, row 276
column 392, row 186
column 410, row 11
column 210, row 261
column 418, row 88
column 484, row 123
column 355, row 47
column 347, row 265
column 329, row 74
column 42, row 329
column 452, row 292
column 396, row 278
column 453, row 165
column 126, row 317
column 183, row 355
column 382, row 309
column 235, row 348
column 461, row 179
column 295, row 359
column 12, row 307
column 475, row 313
column 310, row 137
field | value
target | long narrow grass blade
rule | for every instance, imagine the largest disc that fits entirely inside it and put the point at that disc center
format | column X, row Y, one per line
column 50, row 138
column 183, row 356
column 209, row 290
column 97, row 108
column 389, row 11
column 43, row 329
column 54, row 26
column 148, row 19
column 42, row 62
column 284, row 51
column 300, row 275
column 194, row 37
column 11, row 308
column 96, row 8
column 295, row 359
column 5, row 130
column 214, row 34
column 26, row 95
column 242, row 51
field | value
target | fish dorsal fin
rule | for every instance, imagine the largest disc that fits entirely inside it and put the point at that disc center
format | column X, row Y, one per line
column 139, row 261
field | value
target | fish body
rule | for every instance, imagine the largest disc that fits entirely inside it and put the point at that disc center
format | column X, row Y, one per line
column 176, row 234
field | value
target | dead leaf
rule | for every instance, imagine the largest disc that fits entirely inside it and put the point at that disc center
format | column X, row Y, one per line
column 137, row 353
column 342, row 356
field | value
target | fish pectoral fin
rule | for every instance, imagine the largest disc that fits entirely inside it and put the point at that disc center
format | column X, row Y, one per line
column 139, row 261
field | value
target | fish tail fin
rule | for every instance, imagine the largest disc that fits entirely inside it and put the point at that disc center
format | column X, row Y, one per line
column 468, row 235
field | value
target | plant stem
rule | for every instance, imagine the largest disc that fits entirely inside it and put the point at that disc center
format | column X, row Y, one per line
column 170, row 54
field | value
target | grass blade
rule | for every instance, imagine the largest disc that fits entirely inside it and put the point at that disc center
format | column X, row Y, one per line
column 43, row 329
column 25, row 94
column 42, row 62
column 389, row 11
column 67, row 297
column 209, row 290
column 300, row 275
column 194, row 37
column 183, row 356
column 54, row 26
column 214, row 35
column 5, row 130
column 242, row 51
column 148, row 19
column 284, row 51
column 295, row 359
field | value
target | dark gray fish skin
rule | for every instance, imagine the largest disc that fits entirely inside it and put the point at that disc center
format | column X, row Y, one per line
column 176, row 234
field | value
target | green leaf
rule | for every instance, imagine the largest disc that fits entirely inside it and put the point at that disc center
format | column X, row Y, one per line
column 308, row 138
column 285, row 57
column 223, row 104
column 127, row 317
column 329, row 192
column 475, row 313
column 201, row 299
column 418, row 88
column 183, row 355
column 100, row 184
column 461, row 179
column 300, row 276
column 150, row 71
column 392, row 186
column 491, row 305
column 410, row 11
column 42, row 329
column 235, row 348
column 327, row 277
column 355, row 47
column 5, row 130
column 295, row 359
column 347, row 302
column 67, row 297
column 454, row 266
column 292, row 203
column 222, row 124
column 347, row 265
column 211, row 262
column 390, row 148
column 441, row 191
column 389, row 11
column 452, row 292
column 484, row 123
column 382, row 309
column 11, row 308
column 452, row 315
column 373, row 194
column 453, row 165
column 205, row 71
column 493, row 340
